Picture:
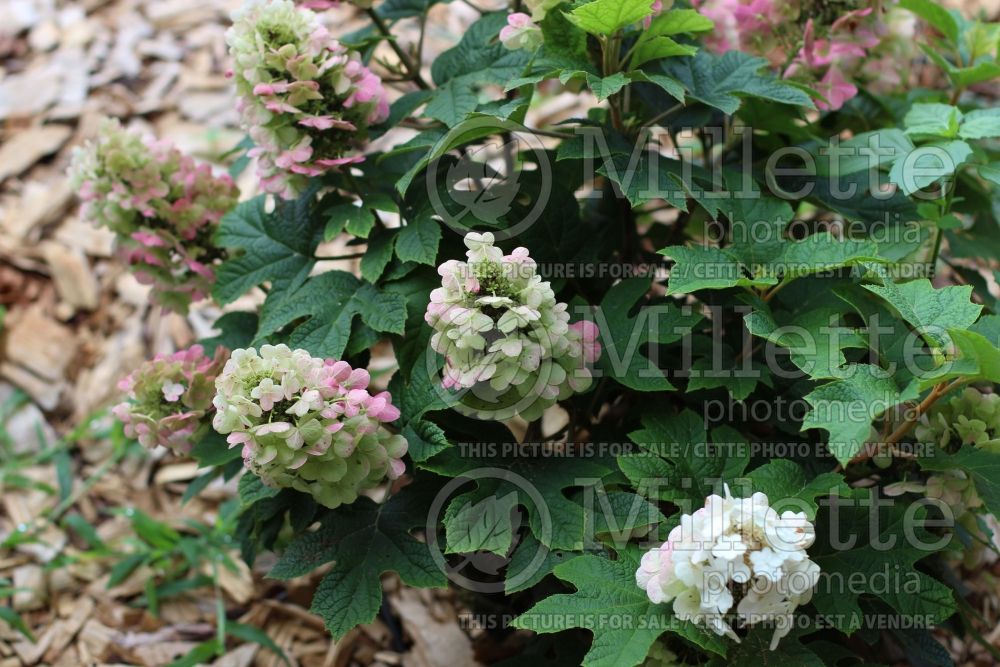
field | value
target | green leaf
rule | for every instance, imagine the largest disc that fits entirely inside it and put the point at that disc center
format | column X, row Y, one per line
column 815, row 337
column 606, row 17
column 754, row 650
column 251, row 489
column 14, row 620
column 331, row 301
column 538, row 484
column 785, row 482
column 418, row 241
column 643, row 176
column 235, row 331
column 603, row 88
column 846, row 407
column 524, row 571
column 276, row 247
column 678, row 21
column 738, row 376
column 991, row 172
column 364, row 540
column 608, row 602
column 657, row 48
column 861, row 153
column 700, row 267
column 968, row 76
column 758, row 224
column 357, row 220
column 823, row 252
column 926, row 164
column 480, row 524
column 624, row 336
column 876, row 548
column 199, row 655
column 980, row 124
column 720, row 81
column 452, row 102
column 416, row 394
column 935, row 15
column 378, row 255
column 477, row 51
column 213, row 450
column 930, row 311
column 976, row 358
column 675, row 461
column 668, row 84
column 249, row 633
column 934, row 119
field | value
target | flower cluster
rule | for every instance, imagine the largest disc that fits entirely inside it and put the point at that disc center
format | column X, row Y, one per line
column 504, row 336
column 305, row 99
column 734, row 551
column 521, row 32
column 747, row 25
column 307, row 423
column 971, row 418
column 831, row 47
column 162, row 205
column 825, row 60
column 169, row 398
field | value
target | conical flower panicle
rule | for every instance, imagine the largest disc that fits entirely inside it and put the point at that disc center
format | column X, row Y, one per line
column 305, row 99
column 162, row 205
column 504, row 336
column 308, row 423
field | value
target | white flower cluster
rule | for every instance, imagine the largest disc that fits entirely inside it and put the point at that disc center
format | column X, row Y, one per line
column 504, row 336
column 734, row 551
column 307, row 423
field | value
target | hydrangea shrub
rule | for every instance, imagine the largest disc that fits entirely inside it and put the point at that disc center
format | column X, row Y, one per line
column 701, row 372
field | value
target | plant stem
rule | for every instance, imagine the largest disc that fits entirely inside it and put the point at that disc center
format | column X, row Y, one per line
column 333, row 258
column 404, row 57
column 903, row 429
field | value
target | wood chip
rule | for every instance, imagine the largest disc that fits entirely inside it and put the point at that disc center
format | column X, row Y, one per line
column 27, row 147
column 39, row 204
column 74, row 279
column 30, row 578
column 40, row 344
column 435, row 643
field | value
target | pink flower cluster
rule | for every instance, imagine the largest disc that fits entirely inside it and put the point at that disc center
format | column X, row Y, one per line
column 169, row 398
column 163, row 206
column 308, row 423
column 827, row 59
column 306, row 100
column 740, row 25
column 831, row 51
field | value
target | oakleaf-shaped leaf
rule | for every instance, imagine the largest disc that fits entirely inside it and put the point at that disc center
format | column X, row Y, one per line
column 364, row 540
column 275, row 247
column 608, row 602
